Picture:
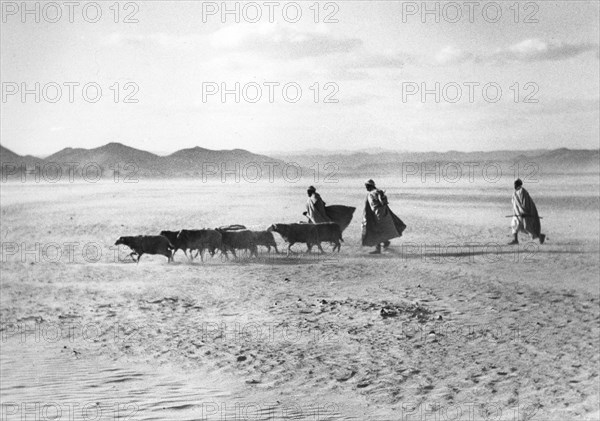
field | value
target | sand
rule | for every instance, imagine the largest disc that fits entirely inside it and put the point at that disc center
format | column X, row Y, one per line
column 449, row 324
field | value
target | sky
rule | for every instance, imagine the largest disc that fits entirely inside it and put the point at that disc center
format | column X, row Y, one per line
column 343, row 75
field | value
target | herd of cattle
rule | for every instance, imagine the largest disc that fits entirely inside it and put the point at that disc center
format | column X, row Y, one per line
column 232, row 238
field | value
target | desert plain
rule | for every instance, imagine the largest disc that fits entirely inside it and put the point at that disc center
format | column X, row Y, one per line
column 449, row 324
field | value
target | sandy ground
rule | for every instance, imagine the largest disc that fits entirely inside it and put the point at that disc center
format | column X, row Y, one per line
column 449, row 324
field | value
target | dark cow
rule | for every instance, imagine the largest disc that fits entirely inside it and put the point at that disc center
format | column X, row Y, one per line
column 147, row 244
column 330, row 232
column 239, row 240
column 200, row 240
column 266, row 239
column 177, row 244
column 297, row 233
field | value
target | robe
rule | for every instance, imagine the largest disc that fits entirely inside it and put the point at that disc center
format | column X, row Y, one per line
column 379, row 222
column 340, row 214
column 526, row 217
column 315, row 209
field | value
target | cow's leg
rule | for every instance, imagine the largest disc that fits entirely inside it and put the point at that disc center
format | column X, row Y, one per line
column 131, row 255
column 139, row 257
column 227, row 249
column 320, row 248
column 276, row 251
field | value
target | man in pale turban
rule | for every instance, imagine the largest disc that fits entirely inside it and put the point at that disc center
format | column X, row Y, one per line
column 380, row 224
column 525, row 215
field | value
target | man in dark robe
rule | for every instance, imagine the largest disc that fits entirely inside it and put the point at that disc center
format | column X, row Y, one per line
column 525, row 215
column 315, row 207
column 380, row 224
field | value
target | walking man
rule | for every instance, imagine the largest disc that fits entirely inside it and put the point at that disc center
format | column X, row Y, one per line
column 315, row 207
column 525, row 215
column 379, row 224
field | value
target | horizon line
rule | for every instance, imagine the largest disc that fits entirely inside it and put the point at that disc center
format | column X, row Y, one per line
column 307, row 151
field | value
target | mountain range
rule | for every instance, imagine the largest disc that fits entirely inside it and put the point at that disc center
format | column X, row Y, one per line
column 194, row 162
column 556, row 161
column 116, row 157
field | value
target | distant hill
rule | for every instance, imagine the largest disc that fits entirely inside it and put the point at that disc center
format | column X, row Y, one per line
column 195, row 160
column 108, row 154
column 111, row 157
column 12, row 163
column 572, row 160
column 6, row 155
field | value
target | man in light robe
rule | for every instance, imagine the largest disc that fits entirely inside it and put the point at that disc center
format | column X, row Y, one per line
column 525, row 215
column 380, row 224
column 315, row 207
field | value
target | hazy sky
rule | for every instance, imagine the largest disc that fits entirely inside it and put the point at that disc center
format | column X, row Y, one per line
column 371, row 61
